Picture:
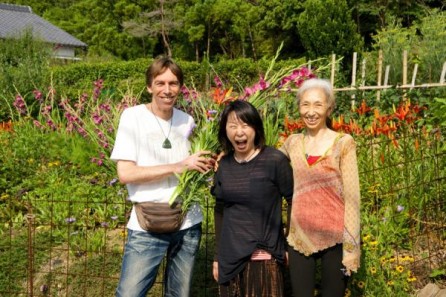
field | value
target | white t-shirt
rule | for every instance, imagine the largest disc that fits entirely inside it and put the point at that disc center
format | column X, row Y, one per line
column 139, row 138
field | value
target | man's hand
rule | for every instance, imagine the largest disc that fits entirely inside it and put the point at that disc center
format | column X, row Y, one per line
column 200, row 161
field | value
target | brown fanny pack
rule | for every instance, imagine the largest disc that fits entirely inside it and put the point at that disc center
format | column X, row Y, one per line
column 159, row 217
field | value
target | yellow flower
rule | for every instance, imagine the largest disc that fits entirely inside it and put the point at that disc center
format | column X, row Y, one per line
column 399, row 268
column 411, row 279
column 361, row 284
column 390, row 283
column 366, row 237
column 407, row 258
column 348, row 293
column 373, row 270
column 375, row 242
column 383, row 260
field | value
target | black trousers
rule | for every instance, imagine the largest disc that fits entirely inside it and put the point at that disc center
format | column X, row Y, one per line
column 303, row 272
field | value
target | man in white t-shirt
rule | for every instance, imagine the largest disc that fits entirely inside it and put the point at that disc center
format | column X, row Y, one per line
column 152, row 146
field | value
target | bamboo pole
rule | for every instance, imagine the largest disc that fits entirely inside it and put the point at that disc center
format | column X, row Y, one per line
column 386, row 75
column 380, row 73
column 443, row 72
column 414, row 75
column 333, row 67
column 353, row 84
column 404, row 71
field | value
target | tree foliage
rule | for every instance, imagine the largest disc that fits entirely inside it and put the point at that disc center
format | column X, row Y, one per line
column 214, row 29
column 326, row 27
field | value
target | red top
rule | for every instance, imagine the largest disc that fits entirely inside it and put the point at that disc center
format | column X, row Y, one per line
column 312, row 159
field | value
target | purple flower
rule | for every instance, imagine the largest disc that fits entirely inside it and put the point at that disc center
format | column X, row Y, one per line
column 70, row 220
column 104, row 224
column 114, row 218
column 44, row 288
column 189, row 133
column 113, row 181
column 399, row 208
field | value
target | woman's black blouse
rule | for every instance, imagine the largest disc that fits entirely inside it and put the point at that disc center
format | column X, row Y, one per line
column 248, row 210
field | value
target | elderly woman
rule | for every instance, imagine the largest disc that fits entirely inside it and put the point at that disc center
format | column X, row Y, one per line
column 250, row 183
column 325, row 215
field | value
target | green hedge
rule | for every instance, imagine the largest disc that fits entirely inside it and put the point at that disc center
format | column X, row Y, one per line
column 76, row 78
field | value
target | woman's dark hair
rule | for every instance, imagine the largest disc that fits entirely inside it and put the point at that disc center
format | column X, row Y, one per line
column 246, row 113
column 159, row 66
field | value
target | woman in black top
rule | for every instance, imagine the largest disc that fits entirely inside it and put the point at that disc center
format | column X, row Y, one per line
column 249, row 185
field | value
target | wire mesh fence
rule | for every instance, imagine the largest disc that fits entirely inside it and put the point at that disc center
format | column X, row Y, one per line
column 403, row 188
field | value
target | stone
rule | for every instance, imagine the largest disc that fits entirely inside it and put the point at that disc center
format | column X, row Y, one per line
column 430, row 290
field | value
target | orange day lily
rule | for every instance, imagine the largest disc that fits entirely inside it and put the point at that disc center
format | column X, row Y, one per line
column 221, row 96
column 363, row 109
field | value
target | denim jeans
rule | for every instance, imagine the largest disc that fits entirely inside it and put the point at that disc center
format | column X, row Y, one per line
column 144, row 252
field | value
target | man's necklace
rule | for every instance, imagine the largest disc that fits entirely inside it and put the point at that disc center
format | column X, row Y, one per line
column 166, row 143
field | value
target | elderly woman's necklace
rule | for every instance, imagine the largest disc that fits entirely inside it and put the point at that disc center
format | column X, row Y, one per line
column 166, row 144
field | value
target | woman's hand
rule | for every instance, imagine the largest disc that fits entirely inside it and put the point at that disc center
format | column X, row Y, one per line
column 215, row 270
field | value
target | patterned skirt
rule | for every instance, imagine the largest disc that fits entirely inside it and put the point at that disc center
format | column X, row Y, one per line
column 258, row 279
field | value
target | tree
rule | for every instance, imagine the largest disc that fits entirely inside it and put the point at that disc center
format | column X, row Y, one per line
column 326, row 27
column 158, row 22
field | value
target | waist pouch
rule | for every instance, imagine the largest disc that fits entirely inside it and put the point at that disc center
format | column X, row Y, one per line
column 159, row 217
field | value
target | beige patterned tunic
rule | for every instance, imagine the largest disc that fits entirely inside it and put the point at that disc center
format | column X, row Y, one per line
column 326, row 199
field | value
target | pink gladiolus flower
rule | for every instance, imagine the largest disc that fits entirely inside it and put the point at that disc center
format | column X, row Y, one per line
column 38, row 95
column 19, row 104
column 298, row 76
column 97, row 119
column 260, row 86
column 218, row 82
column 37, row 124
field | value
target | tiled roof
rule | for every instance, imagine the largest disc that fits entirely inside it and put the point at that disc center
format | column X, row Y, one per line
column 14, row 19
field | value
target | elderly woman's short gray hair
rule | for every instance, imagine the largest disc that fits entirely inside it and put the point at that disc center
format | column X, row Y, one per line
column 318, row 83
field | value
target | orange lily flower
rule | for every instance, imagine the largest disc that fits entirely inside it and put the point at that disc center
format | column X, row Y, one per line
column 222, row 96
column 363, row 109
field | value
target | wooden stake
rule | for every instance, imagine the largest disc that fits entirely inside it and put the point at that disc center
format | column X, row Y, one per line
column 380, row 73
column 443, row 72
column 355, row 56
column 404, row 72
column 333, row 67
column 414, row 75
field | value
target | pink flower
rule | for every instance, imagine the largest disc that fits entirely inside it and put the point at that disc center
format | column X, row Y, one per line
column 260, row 86
column 20, row 105
column 38, row 95
column 218, row 82
column 298, row 76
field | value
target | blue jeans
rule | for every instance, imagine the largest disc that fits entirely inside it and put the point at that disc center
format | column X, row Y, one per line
column 144, row 252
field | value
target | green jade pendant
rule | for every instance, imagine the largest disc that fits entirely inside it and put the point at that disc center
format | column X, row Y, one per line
column 167, row 144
